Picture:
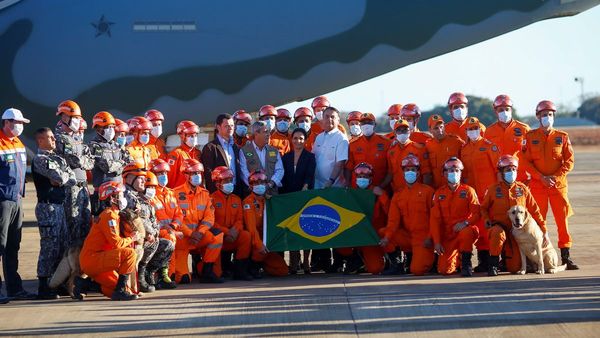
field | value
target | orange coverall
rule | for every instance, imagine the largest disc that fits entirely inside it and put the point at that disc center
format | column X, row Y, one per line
column 439, row 151
column 240, row 141
column 273, row 263
column 372, row 150
column 168, row 213
column 157, row 148
column 550, row 155
column 280, row 141
column 395, row 156
column 420, row 137
column 105, row 254
column 509, row 140
column 408, row 225
column 499, row 198
column 448, row 208
column 229, row 214
column 175, row 159
column 460, row 129
column 139, row 153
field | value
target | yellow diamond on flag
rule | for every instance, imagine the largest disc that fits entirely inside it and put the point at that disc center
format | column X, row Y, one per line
column 320, row 220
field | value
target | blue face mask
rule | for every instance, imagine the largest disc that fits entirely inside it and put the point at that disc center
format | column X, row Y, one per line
column 362, row 182
column 454, row 178
column 241, row 130
column 410, row 177
column 162, row 180
column 259, row 189
column 122, row 141
column 196, row 180
column 510, row 177
column 144, row 139
column 129, row 139
column 283, row 126
column 227, row 188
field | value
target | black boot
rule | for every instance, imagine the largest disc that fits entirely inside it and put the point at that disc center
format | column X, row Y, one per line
column 482, row 261
column 226, row 265
column 240, row 270
column 407, row 262
column 353, row 264
column 44, row 291
column 493, row 265
column 208, row 275
column 466, row 269
column 144, row 286
column 120, row 292
column 566, row 259
column 80, row 287
column 255, row 270
column 150, row 279
column 165, row 281
column 395, row 266
column 434, row 268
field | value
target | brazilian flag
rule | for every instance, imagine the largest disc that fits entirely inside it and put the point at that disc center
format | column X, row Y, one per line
column 323, row 218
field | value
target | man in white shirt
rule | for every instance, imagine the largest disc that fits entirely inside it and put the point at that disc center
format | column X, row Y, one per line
column 331, row 151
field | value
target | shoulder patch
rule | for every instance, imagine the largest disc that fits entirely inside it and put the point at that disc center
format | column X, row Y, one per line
column 558, row 140
column 462, row 194
column 171, row 161
column 518, row 132
column 234, row 205
column 246, row 206
column 112, row 223
column 494, row 148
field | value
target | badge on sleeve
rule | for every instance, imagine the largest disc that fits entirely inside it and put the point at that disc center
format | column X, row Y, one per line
column 246, row 206
column 52, row 165
column 518, row 132
column 498, row 192
column 171, row 161
column 558, row 140
column 442, row 197
column 494, row 148
column 462, row 194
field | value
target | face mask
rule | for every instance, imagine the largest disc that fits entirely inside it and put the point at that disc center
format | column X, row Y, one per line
column 402, row 138
column 144, row 139
column 196, row 180
column 108, row 134
column 504, row 116
column 227, row 188
column 459, row 114
column 191, row 141
column 510, row 176
column 319, row 115
column 362, row 182
column 129, row 139
column 473, row 135
column 269, row 123
column 411, row 125
column 150, row 193
column 17, row 129
column 392, row 123
column 283, row 126
column 156, row 131
column 453, row 178
column 367, row 129
column 259, row 189
column 547, row 121
column 355, row 130
column 122, row 140
column 162, row 180
column 305, row 126
column 410, row 177
column 74, row 124
column 241, row 130
column 122, row 203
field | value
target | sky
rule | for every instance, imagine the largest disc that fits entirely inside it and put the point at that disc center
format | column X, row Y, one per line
column 531, row 64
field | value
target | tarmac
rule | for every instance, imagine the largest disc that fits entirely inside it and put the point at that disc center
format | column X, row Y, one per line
column 565, row 304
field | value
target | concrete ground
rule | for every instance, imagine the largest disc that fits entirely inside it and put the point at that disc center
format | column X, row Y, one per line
column 566, row 304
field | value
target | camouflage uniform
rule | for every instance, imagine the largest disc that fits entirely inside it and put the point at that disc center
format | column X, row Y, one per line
column 52, row 177
column 77, row 202
column 109, row 161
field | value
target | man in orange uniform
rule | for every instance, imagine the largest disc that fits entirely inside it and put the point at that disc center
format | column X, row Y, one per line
column 548, row 157
column 441, row 148
column 319, row 104
column 188, row 133
column 408, row 224
column 106, row 256
column 280, row 137
column 393, row 114
column 353, row 121
column 398, row 151
column 156, row 144
column 254, row 206
column 480, row 157
column 138, row 148
column 454, row 212
column 229, row 219
column 242, row 122
column 494, row 210
column 457, row 105
column 411, row 113
column 507, row 133
column 370, row 148
column 198, row 226
column 303, row 119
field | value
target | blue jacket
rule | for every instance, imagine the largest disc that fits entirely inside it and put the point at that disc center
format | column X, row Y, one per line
column 13, row 167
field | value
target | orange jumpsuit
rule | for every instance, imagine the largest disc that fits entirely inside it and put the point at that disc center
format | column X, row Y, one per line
column 273, row 263
column 550, row 155
column 480, row 159
column 140, row 153
column 198, row 216
column 460, row 129
column 157, row 148
column 240, row 141
column 280, row 141
column 105, row 254
column 439, row 151
column 499, row 198
column 395, row 156
column 420, row 137
column 372, row 150
column 229, row 214
column 408, row 225
column 448, row 208
column 390, row 136
column 175, row 159
column 168, row 213
column 509, row 140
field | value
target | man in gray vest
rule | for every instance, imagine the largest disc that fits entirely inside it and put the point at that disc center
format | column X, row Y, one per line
column 258, row 154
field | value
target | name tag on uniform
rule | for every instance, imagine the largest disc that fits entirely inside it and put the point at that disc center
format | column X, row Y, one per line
column 518, row 132
column 482, row 149
column 234, row 205
column 380, row 147
column 535, row 142
column 218, row 205
column 498, row 192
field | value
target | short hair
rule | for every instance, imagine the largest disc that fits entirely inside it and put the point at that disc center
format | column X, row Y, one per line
column 257, row 126
column 300, row 130
column 332, row 109
column 222, row 117
column 42, row 131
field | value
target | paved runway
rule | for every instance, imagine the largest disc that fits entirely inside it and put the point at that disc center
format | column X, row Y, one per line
column 566, row 304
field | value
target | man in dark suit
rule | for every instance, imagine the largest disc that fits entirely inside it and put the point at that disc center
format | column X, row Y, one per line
column 222, row 151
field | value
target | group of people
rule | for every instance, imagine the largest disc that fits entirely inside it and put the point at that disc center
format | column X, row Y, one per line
column 439, row 193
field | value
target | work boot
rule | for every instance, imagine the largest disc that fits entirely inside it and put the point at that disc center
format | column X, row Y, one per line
column 434, row 265
column 3, row 299
column 208, row 275
column 466, row 269
column 150, row 279
column 196, row 258
column 407, row 262
column 226, row 266
column 44, row 291
column 120, row 292
column 185, row 279
column 165, row 281
column 240, row 270
column 353, row 264
column 395, row 266
column 482, row 261
column 80, row 287
column 255, row 269
column 566, row 259
column 493, row 265
column 143, row 285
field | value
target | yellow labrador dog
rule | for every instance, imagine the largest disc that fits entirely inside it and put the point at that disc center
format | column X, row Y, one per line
column 529, row 236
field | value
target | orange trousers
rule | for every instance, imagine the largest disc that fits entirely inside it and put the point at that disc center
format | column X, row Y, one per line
column 422, row 257
column 561, row 208
column 502, row 242
column 242, row 245
column 209, row 247
column 372, row 256
column 104, row 267
column 462, row 242
column 273, row 263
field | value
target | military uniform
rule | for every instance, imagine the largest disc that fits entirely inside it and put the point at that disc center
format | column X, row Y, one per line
column 109, row 161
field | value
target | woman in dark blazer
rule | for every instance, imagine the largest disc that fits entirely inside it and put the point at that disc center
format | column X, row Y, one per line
column 299, row 174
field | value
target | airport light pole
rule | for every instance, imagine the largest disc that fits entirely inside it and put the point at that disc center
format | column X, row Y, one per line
column 582, row 98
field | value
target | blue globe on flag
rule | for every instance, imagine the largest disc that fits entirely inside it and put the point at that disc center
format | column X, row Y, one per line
column 319, row 220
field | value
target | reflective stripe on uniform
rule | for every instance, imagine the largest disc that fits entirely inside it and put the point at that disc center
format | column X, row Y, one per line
column 201, row 207
column 214, row 246
column 192, row 226
column 208, row 224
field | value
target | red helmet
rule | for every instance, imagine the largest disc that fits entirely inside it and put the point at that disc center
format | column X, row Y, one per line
column 267, row 110
column 134, row 168
column 109, row 188
column 394, row 110
column 221, row 173
column 83, row 126
column 191, row 165
column 545, row 105
column 368, row 117
column 159, row 165
column 457, row 98
column 241, row 115
column 103, row 119
column 502, row 101
column 410, row 161
column 283, row 113
column 257, row 177
column 453, row 162
column 143, row 124
column 132, row 123
column 507, row 160
column 320, row 102
column 410, row 110
column 302, row 111
column 363, row 168
column 154, row 115
column 69, row 108
column 151, row 180
column 121, row 126
column 187, row 127
column 354, row 116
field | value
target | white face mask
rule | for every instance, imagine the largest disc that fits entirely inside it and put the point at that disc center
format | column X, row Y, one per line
column 319, row 115
column 17, row 129
column 459, row 114
column 156, row 131
column 144, row 139
column 122, row 203
column 392, row 123
column 547, row 121
column 367, row 129
column 411, row 125
column 305, row 126
column 74, row 124
column 191, row 141
column 196, row 180
column 108, row 134
column 473, row 135
column 355, row 130
column 504, row 116
column 150, row 193
column 402, row 138
column 270, row 123
column 129, row 139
